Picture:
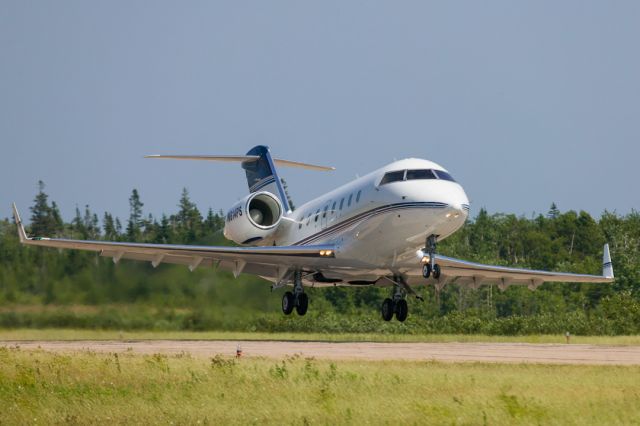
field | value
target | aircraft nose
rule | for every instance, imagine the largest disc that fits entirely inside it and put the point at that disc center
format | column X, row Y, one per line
column 455, row 212
column 459, row 204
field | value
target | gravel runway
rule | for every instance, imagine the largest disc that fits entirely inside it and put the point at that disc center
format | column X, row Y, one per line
column 447, row 352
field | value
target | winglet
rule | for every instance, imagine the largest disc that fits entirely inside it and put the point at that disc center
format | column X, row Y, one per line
column 607, row 266
column 21, row 233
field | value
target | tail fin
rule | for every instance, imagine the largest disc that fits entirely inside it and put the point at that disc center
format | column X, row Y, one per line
column 262, row 175
column 607, row 266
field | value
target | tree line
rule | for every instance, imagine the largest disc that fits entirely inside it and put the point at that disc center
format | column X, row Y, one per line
column 186, row 226
column 172, row 297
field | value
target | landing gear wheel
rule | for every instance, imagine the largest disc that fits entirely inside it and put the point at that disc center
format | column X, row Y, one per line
column 302, row 304
column 426, row 270
column 436, row 271
column 287, row 303
column 387, row 309
column 402, row 310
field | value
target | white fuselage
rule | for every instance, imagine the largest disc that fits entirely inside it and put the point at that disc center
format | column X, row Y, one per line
column 380, row 223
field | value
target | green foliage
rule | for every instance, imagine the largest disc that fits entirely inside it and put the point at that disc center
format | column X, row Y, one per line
column 39, row 287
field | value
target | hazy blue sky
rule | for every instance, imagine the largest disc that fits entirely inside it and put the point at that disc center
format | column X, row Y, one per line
column 524, row 102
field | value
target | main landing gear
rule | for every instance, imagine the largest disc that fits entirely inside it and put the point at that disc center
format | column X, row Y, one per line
column 397, row 304
column 431, row 267
column 298, row 299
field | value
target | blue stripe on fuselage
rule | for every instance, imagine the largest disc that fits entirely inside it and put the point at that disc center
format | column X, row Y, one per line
column 367, row 215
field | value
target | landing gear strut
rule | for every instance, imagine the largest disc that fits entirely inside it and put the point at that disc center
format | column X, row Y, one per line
column 298, row 299
column 397, row 304
column 431, row 267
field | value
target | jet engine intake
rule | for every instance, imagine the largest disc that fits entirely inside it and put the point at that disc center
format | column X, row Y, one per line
column 254, row 218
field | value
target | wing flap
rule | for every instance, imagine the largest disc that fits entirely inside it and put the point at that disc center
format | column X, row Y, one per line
column 193, row 262
column 160, row 258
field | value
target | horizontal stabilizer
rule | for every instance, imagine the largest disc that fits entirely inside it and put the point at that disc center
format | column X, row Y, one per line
column 242, row 159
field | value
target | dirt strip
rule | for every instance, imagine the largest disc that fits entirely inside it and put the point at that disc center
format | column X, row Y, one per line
column 448, row 352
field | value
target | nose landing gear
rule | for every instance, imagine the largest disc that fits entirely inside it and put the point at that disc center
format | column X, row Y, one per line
column 431, row 267
column 427, row 270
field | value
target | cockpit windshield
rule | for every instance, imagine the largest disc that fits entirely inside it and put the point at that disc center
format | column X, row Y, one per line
column 392, row 177
column 444, row 175
column 402, row 175
column 420, row 174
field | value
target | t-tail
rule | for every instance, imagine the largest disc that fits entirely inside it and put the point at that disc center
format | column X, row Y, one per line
column 262, row 174
column 259, row 167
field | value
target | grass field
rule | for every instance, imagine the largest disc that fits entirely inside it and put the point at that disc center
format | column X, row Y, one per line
column 70, row 334
column 44, row 388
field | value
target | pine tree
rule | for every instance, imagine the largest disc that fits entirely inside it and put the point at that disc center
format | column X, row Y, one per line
column 189, row 218
column 109, row 227
column 41, row 214
column 553, row 211
column 57, row 225
column 164, row 231
column 78, row 225
column 90, row 223
column 135, row 216
column 214, row 222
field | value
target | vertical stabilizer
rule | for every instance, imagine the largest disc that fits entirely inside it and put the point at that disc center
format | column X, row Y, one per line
column 262, row 175
column 607, row 266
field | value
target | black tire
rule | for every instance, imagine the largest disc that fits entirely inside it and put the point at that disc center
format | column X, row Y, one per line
column 387, row 309
column 287, row 303
column 402, row 310
column 436, row 271
column 426, row 270
column 302, row 304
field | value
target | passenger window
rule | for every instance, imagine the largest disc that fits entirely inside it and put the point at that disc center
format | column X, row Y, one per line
column 333, row 207
column 317, row 215
column 392, row 177
column 341, row 203
column 358, row 196
column 308, row 219
column 324, row 212
column 420, row 174
column 350, row 198
column 444, row 175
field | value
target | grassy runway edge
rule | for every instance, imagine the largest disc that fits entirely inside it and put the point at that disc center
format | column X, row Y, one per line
column 43, row 387
column 73, row 334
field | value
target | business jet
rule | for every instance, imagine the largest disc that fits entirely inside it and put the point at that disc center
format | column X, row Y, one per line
column 381, row 230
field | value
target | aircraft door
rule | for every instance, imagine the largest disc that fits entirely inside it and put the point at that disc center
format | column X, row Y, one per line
column 324, row 218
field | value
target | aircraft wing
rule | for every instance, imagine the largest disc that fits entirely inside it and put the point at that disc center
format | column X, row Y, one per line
column 270, row 261
column 474, row 274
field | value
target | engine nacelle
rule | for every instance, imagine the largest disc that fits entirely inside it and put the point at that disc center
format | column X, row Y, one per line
column 253, row 218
